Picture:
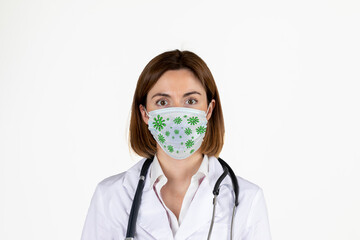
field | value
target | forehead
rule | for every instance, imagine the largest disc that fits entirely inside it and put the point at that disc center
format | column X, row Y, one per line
column 177, row 81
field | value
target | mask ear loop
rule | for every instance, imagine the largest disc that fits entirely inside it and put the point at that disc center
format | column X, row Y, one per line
column 207, row 109
column 145, row 110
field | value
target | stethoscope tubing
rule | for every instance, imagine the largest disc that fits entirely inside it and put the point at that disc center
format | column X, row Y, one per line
column 130, row 233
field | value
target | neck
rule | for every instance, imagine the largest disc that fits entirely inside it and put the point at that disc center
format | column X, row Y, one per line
column 179, row 169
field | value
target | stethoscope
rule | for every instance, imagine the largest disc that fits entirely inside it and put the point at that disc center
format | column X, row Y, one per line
column 130, row 233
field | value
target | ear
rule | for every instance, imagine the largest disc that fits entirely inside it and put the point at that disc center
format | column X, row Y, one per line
column 211, row 108
column 144, row 116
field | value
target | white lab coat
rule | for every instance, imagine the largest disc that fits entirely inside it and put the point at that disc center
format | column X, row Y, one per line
column 108, row 214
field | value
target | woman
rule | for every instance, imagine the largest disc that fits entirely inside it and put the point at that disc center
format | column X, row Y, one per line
column 177, row 122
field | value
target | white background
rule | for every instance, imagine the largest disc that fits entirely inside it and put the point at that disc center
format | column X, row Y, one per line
column 288, row 76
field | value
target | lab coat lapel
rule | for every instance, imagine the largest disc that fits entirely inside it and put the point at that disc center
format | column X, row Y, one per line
column 152, row 216
column 199, row 212
column 200, row 209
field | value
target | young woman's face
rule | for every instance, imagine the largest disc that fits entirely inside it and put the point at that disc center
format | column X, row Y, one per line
column 177, row 88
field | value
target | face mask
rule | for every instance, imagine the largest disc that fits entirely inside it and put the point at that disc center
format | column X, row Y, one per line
column 179, row 131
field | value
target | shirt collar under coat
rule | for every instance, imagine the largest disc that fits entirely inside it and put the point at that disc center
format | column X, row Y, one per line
column 202, row 203
column 156, row 171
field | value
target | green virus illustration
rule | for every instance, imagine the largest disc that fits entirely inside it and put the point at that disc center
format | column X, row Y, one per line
column 177, row 120
column 185, row 116
column 189, row 143
column 192, row 150
column 159, row 123
column 161, row 138
column 167, row 133
column 193, row 120
column 170, row 148
column 176, row 131
column 188, row 131
column 200, row 130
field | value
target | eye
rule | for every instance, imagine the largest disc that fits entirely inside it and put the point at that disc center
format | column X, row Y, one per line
column 191, row 101
column 161, row 102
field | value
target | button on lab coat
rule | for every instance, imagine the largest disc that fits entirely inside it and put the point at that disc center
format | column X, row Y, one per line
column 108, row 214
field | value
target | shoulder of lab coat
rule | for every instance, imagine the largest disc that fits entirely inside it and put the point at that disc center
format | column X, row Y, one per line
column 252, row 204
column 97, row 223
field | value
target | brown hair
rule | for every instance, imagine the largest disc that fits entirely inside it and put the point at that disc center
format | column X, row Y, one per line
column 141, row 140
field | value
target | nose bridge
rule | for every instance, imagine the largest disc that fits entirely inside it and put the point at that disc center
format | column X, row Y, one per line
column 177, row 100
column 177, row 103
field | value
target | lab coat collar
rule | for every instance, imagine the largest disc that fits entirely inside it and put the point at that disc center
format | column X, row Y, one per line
column 152, row 215
column 155, row 171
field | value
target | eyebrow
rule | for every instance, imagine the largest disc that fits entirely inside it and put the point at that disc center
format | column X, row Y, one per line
column 167, row 95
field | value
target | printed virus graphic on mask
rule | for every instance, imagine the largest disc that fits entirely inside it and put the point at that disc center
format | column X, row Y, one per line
column 193, row 120
column 200, row 130
column 189, row 143
column 177, row 120
column 159, row 123
column 170, row 148
column 188, row 131
column 161, row 138
column 179, row 131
